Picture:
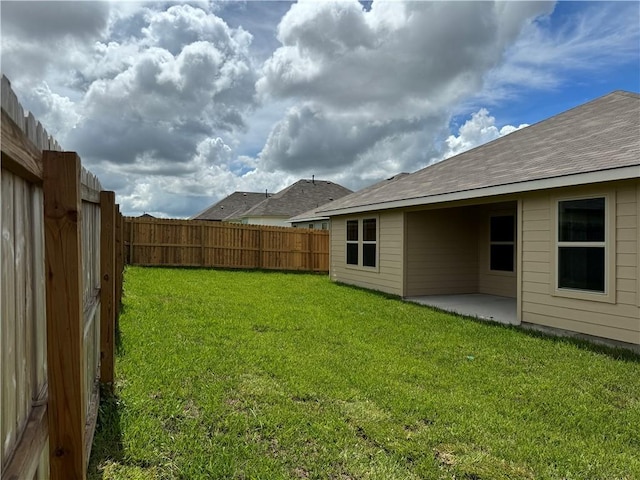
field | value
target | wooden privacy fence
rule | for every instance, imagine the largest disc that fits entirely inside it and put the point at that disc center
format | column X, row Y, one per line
column 61, row 285
column 152, row 241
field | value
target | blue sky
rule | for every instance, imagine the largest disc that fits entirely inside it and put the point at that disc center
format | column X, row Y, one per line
column 175, row 105
column 580, row 85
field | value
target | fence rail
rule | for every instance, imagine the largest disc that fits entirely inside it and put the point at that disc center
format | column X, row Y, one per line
column 151, row 241
column 60, row 296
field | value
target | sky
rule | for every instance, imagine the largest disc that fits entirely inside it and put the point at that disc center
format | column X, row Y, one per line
column 175, row 105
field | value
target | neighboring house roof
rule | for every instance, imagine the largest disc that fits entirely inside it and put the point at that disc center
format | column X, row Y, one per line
column 297, row 198
column 596, row 141
column 230, row 207
column 314, row 215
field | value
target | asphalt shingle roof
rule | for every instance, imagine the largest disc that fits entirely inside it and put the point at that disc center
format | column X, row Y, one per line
column 297, row 198
column 314, row 214
column 599, row 135
column 230, row 207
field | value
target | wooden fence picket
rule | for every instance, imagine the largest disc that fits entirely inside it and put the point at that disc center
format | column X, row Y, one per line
column 107, row 286
column 51, row 298
column 197, row 243
column 65, row 332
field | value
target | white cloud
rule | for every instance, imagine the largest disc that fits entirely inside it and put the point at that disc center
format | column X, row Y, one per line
column 182, row 25
column 397, row 57
column 156, row 95
column 314, row 139
column 55, row 111
column 588, row 42
column 161, row 96
column 175, row 105
column 48, row 39
column 54, row 20
column 372, row 86
column 185, row 195
column 478, row 130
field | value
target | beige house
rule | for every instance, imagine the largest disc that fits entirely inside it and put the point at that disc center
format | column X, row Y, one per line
column 310, row 219
column 545, row 220
column 315, row 220
column 273, row 209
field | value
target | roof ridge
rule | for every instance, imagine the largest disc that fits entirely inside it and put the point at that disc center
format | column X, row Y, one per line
column 626, row 93
column 521, row 131
column 597, row 136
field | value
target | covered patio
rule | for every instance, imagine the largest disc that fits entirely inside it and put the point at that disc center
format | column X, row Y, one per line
column 463, row 260
column 485, row 307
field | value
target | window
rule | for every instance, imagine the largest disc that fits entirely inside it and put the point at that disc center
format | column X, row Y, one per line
column 352, row 242
column 325, row 225
column 369, row 242
column 581, row 260
column 362, row 242
column 502, row 243
column 311, row 226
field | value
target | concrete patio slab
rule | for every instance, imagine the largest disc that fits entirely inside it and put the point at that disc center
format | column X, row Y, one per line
column 484, row 307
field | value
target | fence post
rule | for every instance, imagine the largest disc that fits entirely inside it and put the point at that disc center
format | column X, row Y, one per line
column 107, row 286
column 310, row 244
column 131, row 238
column 260, row 254
column 65, row 349
column 119, row 260
column 202, row 245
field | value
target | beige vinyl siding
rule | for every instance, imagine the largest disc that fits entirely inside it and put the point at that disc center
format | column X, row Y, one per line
column 492, row 282
column 617, row 321
column 388, row 276
column 442, row 252
column 316, row 224
column 273, row 221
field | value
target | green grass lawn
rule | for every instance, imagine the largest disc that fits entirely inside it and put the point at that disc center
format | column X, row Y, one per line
column 253, row 375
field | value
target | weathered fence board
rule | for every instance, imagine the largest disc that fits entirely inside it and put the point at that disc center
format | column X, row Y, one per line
column 49, row 376
column 225, row 245
column 23, row 389
column 108, row 286
column 65, row 332
column 120, row 261
column 8, row 397
column 39, row 366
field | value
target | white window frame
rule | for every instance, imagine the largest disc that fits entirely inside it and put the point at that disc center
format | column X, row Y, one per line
column 360, row 242
column 369, row 242
column 609, row 243
column 351, row 242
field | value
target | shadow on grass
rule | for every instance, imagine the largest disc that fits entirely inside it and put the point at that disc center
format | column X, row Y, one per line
column 107, row 442
column 236, row 269
column 118, row 340
column 120, row 351
column 377, row 293
column 589, row 343
column 583, row 342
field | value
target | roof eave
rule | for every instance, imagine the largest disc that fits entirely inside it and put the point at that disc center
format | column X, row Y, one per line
column 621, row 173
column 307, row 219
